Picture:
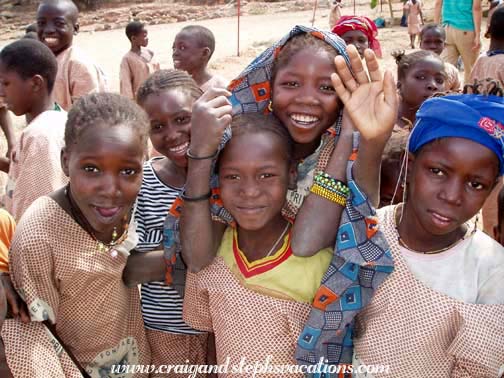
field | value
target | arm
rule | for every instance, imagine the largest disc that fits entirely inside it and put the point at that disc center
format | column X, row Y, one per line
column 83, row 79
column 420, row 12
column 437, row 11
column 200, row 236
column 143, row 267
column 318, row 216
column 477, row 15
column 125, row 80
column 6, row 125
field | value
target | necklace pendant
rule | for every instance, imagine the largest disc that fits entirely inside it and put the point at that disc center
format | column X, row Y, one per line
column 101, row 247
column 113, row 253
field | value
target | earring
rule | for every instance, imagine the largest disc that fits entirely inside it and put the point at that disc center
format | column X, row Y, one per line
column 270, row 106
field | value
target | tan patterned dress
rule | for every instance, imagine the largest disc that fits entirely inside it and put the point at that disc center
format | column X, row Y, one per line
column 135, row 69
column 77, row 76
column 56, row 266
column 420, row 332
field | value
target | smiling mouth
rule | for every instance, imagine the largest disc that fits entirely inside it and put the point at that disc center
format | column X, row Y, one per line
column 180, row 149
column 304, row 120
column 50, row 41
column 107, row 212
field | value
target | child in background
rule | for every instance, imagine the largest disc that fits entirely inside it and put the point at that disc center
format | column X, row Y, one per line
column 27, row 73
column 167, row 96
column 77, row 74
column 138, row 63
column 392, row 171
column 334, row 12
column 491, row 64
column 256, row 294
column 359, row 31
column 433, row 38
column 70, row 249
column 498, row 230
column 192, row 49
column 447, row 272
column 419, row 75
column 415, row 19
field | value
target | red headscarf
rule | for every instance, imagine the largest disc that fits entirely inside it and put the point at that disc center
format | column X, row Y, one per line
column 363, row 24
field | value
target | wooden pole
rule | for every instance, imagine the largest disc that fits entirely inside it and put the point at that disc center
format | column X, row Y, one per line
column 238, row 43
column 314, row 9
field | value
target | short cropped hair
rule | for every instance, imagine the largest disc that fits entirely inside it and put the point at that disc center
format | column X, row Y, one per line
column 204, row 36
column 106, row 110
column 134, row 28
column 496, row 28
column 435, row 27
column 28, row 57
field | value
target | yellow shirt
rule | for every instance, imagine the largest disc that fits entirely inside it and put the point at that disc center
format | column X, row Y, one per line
column 7, row 227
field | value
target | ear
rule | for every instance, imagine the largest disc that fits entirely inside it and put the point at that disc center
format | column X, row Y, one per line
column 292, row 176
column 64, row 156
column 411, row 161
column 76, row 27
column 38, row 83
column 206, row 53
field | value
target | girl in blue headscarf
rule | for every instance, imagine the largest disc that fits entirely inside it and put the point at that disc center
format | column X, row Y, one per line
column 443, row 306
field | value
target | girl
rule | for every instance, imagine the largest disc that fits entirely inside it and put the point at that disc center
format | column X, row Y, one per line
column 419, row 75
column 415, row 19
column 167, row 96
column 447, row 271
column 256, row 294
column 359, row 31
column 307, row 103
column 70, row 249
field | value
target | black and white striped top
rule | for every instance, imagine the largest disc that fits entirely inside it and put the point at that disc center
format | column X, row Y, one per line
column 161, row 305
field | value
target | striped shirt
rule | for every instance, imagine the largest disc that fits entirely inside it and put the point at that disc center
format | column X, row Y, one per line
column 161, row 305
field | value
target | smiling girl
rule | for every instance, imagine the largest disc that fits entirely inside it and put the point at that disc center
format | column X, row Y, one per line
column 70, row 249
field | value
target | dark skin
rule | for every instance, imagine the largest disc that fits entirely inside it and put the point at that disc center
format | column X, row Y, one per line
column 449, row 182
column 138, row 41
column 189, row 56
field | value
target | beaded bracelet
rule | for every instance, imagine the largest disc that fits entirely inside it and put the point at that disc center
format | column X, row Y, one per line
column 328, row 194
column 332, row 184
column 203, row 197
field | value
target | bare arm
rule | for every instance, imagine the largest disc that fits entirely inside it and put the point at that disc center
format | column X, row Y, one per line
column 318, row 216
column 143, row 267
column 437, row 11
column 7, row 128
column 200, row 236
column 421, row 14
column 477, row 15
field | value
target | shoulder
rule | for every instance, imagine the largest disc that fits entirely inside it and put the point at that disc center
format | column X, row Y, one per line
column 46, row 125
column 486, row 249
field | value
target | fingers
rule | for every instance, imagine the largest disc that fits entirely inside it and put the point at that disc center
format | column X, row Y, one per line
column 341, row 91
column 372, row 65
column 215, row 92
column 356, row 64
column 344, row 73
column 389, row 90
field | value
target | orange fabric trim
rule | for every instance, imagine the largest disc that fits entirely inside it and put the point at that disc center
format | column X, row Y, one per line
column 250, row 269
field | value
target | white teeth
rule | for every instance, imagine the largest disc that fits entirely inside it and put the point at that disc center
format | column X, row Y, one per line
column 180, row 148
column 51, row 40
column 304, row 118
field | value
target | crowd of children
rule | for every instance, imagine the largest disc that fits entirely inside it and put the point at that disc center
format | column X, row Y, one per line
column 254, row 232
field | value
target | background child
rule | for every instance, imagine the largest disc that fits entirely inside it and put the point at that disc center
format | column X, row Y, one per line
column 70, row 249
column 419, row 75
column 27, row 73
column 192, row 49
column 255, row 271
column 415, row 19
column 77, row 74
column 392, row 171
column 359, row 31
column 498, row 230
column 334, row 12
column 167, row 96
column 433, row 38
column 491, row 64
column 446, row 270
column 138, row 63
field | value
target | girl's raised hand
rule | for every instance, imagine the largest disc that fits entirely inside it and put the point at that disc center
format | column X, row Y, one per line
column 211, row 114
column 371, row 102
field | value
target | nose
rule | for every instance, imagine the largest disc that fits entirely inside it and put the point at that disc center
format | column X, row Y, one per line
column 451, row 193
column 171, row 133
column 308, row 96
column 249, row 188
column 48, row 28
column 432, row 85
column 109, row 186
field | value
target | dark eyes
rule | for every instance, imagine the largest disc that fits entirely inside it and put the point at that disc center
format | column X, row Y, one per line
column 125, row 171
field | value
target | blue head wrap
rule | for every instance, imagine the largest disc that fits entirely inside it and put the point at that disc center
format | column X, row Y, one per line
column 474, row 117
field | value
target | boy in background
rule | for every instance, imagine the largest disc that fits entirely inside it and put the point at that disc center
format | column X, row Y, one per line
column 192, row 49
column 138, row 63
column 57, row 23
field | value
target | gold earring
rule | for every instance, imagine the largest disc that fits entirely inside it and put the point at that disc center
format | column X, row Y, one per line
column 270, row 106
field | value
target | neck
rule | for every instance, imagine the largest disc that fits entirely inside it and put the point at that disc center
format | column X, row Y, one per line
column 169, row 173
column 136, row 49
column 45, row 103
column 417, row 238
column 496, row 45
column 201, row 76
column 303, row 150
column 257, row 244
column 407, row 111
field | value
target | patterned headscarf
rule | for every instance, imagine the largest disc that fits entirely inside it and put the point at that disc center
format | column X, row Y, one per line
column 362, row 259
column 363, row 24
column 480, row 119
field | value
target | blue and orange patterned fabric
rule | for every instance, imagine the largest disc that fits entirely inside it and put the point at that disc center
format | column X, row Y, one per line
column 361, row 259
